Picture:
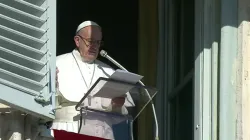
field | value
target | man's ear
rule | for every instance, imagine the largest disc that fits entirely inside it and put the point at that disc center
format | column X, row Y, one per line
column 77, row 41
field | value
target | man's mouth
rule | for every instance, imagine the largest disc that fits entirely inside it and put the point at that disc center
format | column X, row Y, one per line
column 92, row 51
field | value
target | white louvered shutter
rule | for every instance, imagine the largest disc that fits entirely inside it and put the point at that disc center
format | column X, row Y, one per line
column 27, row 55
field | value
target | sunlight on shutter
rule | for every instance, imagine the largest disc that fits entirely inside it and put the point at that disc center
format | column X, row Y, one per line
column 24, row 51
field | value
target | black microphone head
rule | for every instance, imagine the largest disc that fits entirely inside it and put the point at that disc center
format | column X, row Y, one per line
column 103, row 53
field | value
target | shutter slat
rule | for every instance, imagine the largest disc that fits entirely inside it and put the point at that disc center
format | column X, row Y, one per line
column 21, row 16
column 36, row 2
column 21, row 26
column 21, row 37
column 16, row 86
column 21, row 48
column 21, row 70
column 28, row 56
column 20, row 80
column 21, row 59
column 25, row 6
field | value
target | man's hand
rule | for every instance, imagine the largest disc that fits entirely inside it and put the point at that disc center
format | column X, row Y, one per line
column 57, row 71
column 118, row 102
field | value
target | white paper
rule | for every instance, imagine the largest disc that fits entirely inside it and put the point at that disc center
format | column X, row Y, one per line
column 128, row 77
column 110, row 89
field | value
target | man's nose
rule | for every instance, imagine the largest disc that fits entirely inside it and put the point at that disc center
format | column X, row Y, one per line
column 94, row 45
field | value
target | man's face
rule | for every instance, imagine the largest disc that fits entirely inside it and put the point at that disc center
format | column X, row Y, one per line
column 88, row 41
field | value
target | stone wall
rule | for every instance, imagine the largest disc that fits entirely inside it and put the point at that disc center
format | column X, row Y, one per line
column 243, row 123
column 15, row 125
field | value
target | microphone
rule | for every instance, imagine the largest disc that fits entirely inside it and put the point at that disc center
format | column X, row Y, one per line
column 105, row 55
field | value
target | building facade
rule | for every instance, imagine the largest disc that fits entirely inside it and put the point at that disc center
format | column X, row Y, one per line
column 195, row 52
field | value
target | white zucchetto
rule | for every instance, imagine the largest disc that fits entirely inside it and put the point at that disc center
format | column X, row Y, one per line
column 85, row 24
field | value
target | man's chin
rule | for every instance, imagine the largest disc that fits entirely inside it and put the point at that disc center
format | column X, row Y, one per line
column 94, row 54
column 91, row 58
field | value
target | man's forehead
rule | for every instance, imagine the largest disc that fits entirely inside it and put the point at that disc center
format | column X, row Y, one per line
column 91, row 28
column 91, row 32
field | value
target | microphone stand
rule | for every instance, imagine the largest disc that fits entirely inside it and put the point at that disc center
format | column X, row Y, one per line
column 105, row 54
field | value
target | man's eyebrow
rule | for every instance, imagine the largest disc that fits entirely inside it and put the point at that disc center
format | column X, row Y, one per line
column 91, row 39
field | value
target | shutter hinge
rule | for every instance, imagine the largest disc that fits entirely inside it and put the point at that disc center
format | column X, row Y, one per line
column 43, row 99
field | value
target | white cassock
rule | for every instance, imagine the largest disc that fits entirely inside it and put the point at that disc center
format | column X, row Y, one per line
column 75, row 77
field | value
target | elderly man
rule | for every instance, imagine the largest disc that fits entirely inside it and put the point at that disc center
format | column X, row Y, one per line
column 77, row 71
